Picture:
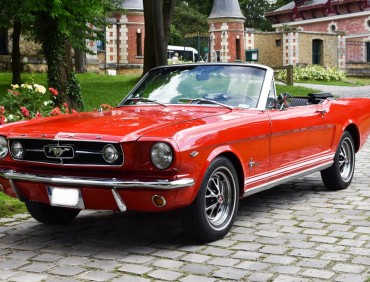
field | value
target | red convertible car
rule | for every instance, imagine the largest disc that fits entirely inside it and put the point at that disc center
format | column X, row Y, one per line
column 191, row 137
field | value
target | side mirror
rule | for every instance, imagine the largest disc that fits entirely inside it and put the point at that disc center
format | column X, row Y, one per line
column 283, row 100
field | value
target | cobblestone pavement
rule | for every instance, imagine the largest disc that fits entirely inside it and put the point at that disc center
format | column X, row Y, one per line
column 298, row 231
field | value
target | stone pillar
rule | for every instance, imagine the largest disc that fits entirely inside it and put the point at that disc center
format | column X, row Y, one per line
column 290, row 48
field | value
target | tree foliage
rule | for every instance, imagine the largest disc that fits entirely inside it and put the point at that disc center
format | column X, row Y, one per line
column 60, row 25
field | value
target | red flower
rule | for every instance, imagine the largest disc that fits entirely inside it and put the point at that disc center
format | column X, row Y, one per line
column 53, row 91
column 74, row 111
column 56, row 112
column 38, row 114
column 2, row 120
column 16, row 93
column 2, row 110
column 25, row 112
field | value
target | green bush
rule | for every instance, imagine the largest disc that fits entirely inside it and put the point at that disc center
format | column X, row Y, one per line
column 314, row 72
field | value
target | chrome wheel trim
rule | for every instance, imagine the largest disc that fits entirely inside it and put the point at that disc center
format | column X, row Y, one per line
column 220, row 198
column 346, row 159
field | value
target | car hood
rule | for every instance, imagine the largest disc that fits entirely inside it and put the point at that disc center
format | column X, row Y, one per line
column 121, row 124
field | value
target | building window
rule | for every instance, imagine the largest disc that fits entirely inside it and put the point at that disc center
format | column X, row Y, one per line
column 139, row 47
column 3, row 42
column 368, row 52
column 278, row 42
column 333, row 27
column 317, row 50
column 237, row 47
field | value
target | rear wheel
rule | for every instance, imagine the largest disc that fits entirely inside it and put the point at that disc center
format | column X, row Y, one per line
column 339, row 175
column 212, row 214
column 51, row 215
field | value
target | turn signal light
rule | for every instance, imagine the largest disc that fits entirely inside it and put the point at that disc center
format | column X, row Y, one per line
column 159, row 201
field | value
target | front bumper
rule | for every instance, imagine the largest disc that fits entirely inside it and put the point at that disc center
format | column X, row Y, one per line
column 107, row 184
column 100, row 182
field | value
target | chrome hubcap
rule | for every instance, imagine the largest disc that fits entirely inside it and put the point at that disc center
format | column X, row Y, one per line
column 346, row 159
column 220, row 197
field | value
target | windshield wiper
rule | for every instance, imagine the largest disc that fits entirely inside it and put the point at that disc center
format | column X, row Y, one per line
column 141, row 99
column 192, row 100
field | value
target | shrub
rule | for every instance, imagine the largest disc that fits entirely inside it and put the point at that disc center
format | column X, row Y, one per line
column 29, row 101
column 314, row 72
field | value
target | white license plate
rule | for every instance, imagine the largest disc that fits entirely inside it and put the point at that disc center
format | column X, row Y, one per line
column 65, row 197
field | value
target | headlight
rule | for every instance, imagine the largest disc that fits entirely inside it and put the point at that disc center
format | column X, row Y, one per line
column 3, row 147
column 161, row 155
column 17, row 150
column 110, row 153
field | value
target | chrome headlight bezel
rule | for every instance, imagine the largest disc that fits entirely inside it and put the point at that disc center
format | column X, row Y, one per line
column 161, row 155
column 110, row 154
column 17, row 150
column 4, row 149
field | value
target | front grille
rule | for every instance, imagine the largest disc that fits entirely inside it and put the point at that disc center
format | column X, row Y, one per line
column 76, row 152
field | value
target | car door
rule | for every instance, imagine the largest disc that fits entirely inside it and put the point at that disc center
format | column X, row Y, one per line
column 296, row 139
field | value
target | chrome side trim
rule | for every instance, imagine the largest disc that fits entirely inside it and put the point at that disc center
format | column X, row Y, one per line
column 100, row 182
column 277, row 172
column 120, row 203
column 285, row 179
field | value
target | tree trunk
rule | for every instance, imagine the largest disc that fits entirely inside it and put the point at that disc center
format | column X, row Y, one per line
column 80, row 61
column 157, row 14
column 16, row 54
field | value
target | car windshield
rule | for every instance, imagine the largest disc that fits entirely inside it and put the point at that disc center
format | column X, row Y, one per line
column 230, row 86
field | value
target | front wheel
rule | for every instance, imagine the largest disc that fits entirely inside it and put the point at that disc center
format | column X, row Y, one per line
column 51, row 215
column 212, row 214
column 339, row 175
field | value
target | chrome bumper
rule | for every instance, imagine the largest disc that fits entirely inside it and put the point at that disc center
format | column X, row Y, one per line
column 99, row 182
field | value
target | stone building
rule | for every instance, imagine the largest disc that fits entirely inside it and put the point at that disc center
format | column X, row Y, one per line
column 229, row 40
column 350, row 17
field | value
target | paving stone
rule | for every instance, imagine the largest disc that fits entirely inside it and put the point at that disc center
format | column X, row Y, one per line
column 304, row 253
column 29, row 278
column 170, row 264
column 341, row 267
column 313, row 263
column 130, row 278
column 284, row 278
column 165, row 275
column 253, row 265
column 38, row 267
column 316, row 273
column 97, row 276
column 67, row 270
column 260, row 277
column 197, row 258
column 285, row 260
column 136, row 269
column 194, row 278
column 230, row 273
column 285, row 269
column 198, row 269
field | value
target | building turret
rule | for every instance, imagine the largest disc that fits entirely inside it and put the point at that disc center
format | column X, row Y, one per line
column 226, row 31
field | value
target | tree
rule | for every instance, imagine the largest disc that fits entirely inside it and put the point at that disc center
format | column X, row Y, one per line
column 60, row 25
column 157, row 14
column 187, row 19
column 255, row 14
column 14, row 14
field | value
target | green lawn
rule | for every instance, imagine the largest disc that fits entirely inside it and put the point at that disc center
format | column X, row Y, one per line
column 96, row 90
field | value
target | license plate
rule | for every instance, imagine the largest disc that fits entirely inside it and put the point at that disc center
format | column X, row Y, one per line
column 65, row 197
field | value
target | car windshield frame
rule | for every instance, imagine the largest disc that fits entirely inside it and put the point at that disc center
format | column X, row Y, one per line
column 229, row 85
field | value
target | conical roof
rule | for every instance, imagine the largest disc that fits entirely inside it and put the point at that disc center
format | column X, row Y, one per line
column 226, row 9
column 132, row 5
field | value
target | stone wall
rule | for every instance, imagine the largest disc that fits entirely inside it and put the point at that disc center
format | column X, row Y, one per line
column 270, row 48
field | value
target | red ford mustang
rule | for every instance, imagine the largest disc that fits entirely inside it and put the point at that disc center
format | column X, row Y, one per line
column 191, row 137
